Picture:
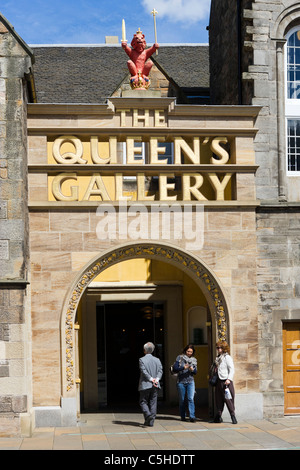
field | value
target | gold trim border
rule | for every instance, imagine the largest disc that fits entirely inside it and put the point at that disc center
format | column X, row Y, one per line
column 183, row 260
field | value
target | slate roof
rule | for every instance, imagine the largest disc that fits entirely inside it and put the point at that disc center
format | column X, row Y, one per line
column 188, row 66
column 90, row 74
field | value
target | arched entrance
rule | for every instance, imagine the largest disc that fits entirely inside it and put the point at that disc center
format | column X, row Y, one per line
column 185, row 261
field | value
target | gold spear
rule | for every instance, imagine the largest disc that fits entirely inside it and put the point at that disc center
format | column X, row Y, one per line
column 154, row 13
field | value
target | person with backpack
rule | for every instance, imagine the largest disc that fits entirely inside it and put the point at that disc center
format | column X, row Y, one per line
column 185, row 367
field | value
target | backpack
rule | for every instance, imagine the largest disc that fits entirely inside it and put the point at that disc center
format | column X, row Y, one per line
column 171, row 369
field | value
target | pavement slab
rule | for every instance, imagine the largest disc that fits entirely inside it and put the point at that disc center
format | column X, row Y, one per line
column 125, row 432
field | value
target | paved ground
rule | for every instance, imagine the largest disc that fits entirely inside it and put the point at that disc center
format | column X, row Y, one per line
column 125, row 432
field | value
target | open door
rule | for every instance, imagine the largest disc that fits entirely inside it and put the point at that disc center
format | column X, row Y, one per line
column 122, row 330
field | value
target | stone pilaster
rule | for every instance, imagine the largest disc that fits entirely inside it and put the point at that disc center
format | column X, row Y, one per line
column 15, row 64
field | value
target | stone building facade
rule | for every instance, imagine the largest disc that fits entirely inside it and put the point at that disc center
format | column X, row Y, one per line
column 265, row 40
column 16, row 72
column 84, row 166
column 69, row 258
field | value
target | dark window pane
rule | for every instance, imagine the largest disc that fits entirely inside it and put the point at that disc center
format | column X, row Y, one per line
column 293, row 144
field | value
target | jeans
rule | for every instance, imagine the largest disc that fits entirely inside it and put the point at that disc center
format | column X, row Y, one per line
column 189, row 390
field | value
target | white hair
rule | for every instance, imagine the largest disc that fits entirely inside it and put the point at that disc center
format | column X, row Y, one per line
column 149, row 348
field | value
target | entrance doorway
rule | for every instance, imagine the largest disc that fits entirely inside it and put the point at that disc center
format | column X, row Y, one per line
column 116, row 321
column 122, row 330
column 291, row 367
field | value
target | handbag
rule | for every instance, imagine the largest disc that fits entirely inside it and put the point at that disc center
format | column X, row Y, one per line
column 174, row 374
column 213, row 376
column 171, row 369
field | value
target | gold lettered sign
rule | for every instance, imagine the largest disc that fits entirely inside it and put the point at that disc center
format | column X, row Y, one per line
column 161, row 168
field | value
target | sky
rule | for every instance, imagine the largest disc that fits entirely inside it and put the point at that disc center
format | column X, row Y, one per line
column 89, row 21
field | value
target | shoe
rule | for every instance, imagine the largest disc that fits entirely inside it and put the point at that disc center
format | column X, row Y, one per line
column 147, row 420
column 218, row 419
column 151, row 420
column 182, row 419
column 233, row 419
column 192, row 420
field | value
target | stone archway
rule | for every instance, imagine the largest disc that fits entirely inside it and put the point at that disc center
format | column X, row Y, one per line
column 286, row 17
column 187, row 262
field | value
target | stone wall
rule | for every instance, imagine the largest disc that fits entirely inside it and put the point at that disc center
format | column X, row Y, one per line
column 15, row 62
column 279, row 294
column 243, row 71
column 60, row 251
column 223, row 43
column 63, row 242
column 278, row 217
column 248, row 67
column 263, row 26
column 227, row 58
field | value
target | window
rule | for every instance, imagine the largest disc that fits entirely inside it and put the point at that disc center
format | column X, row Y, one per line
column 141, row 152
column 293, row 66
column 141, row 156
column 168, row 152
column 292, row 108
column 293, row 137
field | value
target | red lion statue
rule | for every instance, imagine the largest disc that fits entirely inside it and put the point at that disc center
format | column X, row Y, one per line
column 139, row 66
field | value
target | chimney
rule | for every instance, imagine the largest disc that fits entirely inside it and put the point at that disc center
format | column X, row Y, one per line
column 111, row 40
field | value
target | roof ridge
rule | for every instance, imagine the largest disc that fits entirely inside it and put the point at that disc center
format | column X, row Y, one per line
column 117, row 45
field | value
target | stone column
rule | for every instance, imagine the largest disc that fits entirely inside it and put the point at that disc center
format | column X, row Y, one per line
column 280, row 69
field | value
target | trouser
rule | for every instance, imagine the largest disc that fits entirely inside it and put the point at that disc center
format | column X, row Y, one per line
column 188, row 390
column 148, row 402
column 221, row 400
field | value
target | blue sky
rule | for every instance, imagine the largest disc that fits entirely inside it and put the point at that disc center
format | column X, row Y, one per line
column 89, row 21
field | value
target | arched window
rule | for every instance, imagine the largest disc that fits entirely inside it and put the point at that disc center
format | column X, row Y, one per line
column 292, row 108
column 293, row 65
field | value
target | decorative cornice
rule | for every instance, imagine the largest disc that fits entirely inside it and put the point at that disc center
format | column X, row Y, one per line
column 93, row 205
column 149, row 169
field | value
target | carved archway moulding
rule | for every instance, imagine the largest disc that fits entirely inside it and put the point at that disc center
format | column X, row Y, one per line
column 183, row 260
column 285, row 18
